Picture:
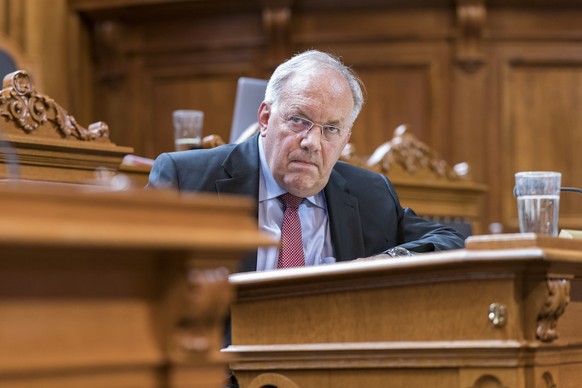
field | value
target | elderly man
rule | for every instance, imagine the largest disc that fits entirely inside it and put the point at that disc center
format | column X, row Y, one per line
column 339, row 211
column 322, row 210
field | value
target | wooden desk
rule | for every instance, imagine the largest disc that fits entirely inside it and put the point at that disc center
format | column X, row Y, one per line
column 116, row 289
column 493, row 315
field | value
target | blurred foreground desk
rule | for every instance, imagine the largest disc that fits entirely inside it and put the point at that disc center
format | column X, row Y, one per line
column 505, row 312
column 116, row 289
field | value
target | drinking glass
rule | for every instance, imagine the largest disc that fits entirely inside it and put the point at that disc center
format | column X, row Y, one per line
column 538, row 201
column 187, row 129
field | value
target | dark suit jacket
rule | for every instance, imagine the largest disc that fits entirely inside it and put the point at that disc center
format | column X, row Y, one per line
column 364, row 211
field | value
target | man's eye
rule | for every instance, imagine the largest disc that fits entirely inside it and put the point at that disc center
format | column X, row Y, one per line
column 297, row 120
column 331, row 130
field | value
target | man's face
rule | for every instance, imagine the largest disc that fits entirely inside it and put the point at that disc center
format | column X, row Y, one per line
column 301, row 163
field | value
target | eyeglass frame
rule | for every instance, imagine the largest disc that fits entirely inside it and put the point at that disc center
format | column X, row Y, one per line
column 344, row 132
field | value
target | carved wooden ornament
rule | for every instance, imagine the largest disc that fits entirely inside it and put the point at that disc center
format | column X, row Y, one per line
column 412, row 155
column 553, row 308
column 471, row 15
column 200, row 327
column 30, row 111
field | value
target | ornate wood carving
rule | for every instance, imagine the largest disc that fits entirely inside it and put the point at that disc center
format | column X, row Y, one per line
column 29, row 110
column 471, row 15
column 410, row 154
column 553, row 308
column 199, row 328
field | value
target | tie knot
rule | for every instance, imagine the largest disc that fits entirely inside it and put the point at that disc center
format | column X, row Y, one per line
column 291, row 200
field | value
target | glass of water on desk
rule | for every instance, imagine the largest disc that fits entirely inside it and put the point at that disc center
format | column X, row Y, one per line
column 538, row 201
column 187, row 129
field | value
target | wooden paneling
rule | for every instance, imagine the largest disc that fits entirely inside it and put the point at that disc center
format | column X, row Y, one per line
column 538, row 126
column 404, row 86
column 546, row 121
column 474, row 79
column 156, row 65
column 401, row 57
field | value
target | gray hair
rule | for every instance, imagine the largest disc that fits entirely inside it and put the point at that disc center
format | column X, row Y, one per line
column 306, row 61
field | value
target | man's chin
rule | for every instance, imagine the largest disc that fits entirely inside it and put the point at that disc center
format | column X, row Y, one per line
column 303, row 188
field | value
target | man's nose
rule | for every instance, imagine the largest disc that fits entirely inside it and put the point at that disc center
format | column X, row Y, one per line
column 312, row 138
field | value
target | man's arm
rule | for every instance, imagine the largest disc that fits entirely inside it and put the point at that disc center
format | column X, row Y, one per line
column 421, row 235
column 164, row 173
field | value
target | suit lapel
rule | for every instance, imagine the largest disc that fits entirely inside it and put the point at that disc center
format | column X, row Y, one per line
column 242, row 166
column 344, row 218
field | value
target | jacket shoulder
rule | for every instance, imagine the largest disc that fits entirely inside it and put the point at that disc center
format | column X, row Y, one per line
column 350, row 171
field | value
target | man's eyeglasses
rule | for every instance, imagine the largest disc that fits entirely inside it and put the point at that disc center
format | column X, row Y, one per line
column 300, row 124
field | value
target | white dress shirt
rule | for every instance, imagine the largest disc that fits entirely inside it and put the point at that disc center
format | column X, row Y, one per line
column 312, row 212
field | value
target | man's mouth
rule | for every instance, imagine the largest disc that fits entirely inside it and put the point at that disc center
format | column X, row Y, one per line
column 305, row 163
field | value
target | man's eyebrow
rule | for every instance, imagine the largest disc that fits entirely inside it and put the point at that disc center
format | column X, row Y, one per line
column 299, row 112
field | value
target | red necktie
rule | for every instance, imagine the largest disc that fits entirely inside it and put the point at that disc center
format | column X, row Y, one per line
column 291, row 251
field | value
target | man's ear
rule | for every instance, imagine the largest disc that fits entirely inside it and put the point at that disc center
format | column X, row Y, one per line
column 264, row 115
